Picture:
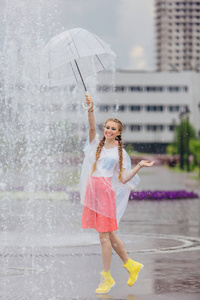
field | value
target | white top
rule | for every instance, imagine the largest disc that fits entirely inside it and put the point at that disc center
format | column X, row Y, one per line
column 107, row 166
column 108, row 162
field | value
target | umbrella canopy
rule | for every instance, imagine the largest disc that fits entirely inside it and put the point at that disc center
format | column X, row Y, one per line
column 73, row 55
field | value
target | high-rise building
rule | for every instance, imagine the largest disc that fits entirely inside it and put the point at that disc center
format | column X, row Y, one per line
column 177, row 35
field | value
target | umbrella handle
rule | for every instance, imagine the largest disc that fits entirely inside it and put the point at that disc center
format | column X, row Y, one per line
column 86, row 107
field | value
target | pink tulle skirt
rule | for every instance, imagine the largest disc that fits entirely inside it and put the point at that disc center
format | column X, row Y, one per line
column 99, row 210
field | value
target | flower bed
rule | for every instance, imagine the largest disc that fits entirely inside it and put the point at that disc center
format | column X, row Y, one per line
column 162, row 195
column 150, row 195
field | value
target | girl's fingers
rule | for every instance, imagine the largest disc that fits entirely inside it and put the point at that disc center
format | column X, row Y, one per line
column 87, row 96
column 88, row 100
column 146, row 163
column 150, row 164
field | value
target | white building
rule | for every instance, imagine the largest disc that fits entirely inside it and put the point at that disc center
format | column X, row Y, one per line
column 149, row 104
column 177, row 34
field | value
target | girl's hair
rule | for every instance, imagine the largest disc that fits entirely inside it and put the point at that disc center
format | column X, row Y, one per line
column 120, row 150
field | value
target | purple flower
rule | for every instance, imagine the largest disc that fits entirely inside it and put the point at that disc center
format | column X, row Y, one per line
column 162, row 195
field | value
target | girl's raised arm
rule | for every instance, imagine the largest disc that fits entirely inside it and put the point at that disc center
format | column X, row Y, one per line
column 91, row 119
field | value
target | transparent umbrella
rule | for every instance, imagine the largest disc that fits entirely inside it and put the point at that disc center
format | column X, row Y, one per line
column 73, row 55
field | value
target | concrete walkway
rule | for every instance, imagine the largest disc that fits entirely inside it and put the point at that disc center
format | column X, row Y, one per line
column 64, row 262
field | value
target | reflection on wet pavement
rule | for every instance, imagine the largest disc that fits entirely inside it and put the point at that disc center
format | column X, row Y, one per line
column 64, row 262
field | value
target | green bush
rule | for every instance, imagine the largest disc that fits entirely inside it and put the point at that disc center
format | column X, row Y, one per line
column 185, row 137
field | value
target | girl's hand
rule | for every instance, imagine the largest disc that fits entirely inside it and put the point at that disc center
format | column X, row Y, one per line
column 89, row 100
column 146, row 163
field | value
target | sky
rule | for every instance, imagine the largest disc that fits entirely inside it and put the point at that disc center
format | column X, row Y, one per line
column 127, row 25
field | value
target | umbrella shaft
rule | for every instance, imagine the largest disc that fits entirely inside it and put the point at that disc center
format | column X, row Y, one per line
column 80, row 75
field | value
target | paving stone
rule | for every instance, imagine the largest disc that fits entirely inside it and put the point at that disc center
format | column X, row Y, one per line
column 64, row 262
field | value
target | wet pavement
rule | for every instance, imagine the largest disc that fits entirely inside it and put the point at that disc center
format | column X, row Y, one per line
column 64, row 262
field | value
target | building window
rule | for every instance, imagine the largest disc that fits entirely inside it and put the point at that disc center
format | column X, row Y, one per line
column 150, row 88
column 104, row 107
column 119, row 88
column 121, row 108
column 171, row 127
column 173, row 88
column 154, row 127
column 134, row 107
column 103, row 88
column 135, row 127
column 153, row 88
column 135, row 88
column 173, row 108
column 154, row 108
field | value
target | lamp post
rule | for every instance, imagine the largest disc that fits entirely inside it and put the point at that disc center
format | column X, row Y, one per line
column 187, row 113
column 184, row 137
column 174, row 131
column 199, row 118
column 181, row 150
column 199, row 140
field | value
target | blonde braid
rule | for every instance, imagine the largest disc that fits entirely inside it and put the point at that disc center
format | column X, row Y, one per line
column 98, row 152
column 120, row 152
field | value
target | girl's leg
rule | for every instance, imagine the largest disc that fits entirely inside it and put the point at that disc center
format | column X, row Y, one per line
column 107, row 281
column 118, row 246
column 106, row 249
column 132, row 267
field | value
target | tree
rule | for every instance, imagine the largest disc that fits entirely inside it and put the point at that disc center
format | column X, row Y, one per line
column 181, row 145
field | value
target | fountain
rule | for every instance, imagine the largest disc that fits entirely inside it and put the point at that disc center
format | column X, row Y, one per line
column 38, row 167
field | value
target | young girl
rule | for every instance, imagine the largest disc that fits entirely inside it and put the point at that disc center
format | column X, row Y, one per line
column 105, row 185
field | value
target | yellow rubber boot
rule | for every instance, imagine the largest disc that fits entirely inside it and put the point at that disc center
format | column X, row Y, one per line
column 133, row 268
column 106, row 283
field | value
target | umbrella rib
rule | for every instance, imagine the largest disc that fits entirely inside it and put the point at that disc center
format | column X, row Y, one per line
column 100, row 61
column 74, row 45
column 99, row 42
column 73, row 72
column 77, row 64
column 103, row 48
column 70, row 61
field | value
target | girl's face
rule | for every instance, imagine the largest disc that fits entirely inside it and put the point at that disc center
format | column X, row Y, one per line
column 111, row 130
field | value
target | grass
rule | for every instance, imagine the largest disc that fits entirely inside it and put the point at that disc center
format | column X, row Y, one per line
column 195, row 177
column 175, row 169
